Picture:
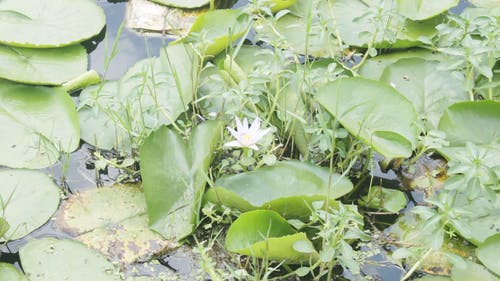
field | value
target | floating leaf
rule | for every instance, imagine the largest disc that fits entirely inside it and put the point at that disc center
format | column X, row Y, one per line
column 113, row 221
column 286, row 187
column 174, row 174
column 49, row 23
column 50, row 259
column 487, row 253
column 373, row 111
column 265, row 234
column 431, row 91
column 471, row 271
column 378, row 197
column 42, row 66
column 424, row 9
column 37, row 123
column 486, row 3
column 9, row 273
column 215, row 30
column 154, row 92
column 30, row 198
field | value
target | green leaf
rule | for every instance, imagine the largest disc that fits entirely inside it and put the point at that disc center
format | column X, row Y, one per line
column 287, row 187
column 215, row 30
column 424, row 9
column 37, row 123
column 186, row 4
column 374, row 112
column 4, row 227
column 9, row 273
column 487, row 253
column 49, row 23
column 265, row 234
column 153, row 92
column 431, row 91
column 42, row 66
column 471, row 271
column 358, row 23
column 475, row 122
column 112, row 220
column 433, row 278
column 50, row 259
column 378, row 197
column 30, row 198
column 174, row 174
column 486, row 3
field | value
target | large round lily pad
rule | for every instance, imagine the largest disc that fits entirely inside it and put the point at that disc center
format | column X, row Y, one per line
column 112, row 220
column 30, row 198
column 51, row 259
column 37, row 124
column 52, row 66
column 424, row 9
column 49, row 23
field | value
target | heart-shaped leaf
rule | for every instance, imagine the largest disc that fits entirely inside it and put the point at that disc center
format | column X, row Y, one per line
column 112, row 220
column 374, row 112
column 37, row 124
column 287, row 187
column 265, row 234
column 50, row 259
column 30, row 198
column 174, row 174
column 42, row 66
column 49, row 23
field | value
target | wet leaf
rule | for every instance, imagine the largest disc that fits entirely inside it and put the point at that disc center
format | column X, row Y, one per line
column 214, row 31
column 112, row 220
column 431, row 91
column 49, row 23
column 390, row 200
column 37, row 123
column 374, row 112
column 174, row 174
column 9, row 273
column 487, row 253
column 30, row 198
column 42, row 66
column 265, row 234
column 152, row 93
column 288, row 187
column 471, row 271
column 64, row 260
column 424, row 9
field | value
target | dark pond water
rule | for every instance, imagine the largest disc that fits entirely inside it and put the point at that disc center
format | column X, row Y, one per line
column 80, row 173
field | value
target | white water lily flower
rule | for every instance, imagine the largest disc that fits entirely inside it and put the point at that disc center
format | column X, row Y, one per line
column 247, row 136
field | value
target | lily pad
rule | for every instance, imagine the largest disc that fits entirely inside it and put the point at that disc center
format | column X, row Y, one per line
column 50, row 259
column 215, row 30
column 42, row 66
column 174, row 174
column 37, row 124
column 487, row 253
column 112, row 220
column 9, row 273
column 30, row 197
column 49, row 23
column 356, row 22
column 265, row 234
column 154, row 92
column 471, row 271
column 373, row 111
column 287, row 187
column 390, row 200
column 431, row 91
column 424, row 9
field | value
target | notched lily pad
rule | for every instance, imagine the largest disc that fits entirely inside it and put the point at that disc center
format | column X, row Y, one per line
column 112, row 220
column 288, row 188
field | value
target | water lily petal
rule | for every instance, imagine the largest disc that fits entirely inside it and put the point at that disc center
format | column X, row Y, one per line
column 233, row 144
column 233, row 132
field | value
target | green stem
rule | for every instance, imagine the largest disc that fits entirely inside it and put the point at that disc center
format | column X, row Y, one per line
column 88, row 78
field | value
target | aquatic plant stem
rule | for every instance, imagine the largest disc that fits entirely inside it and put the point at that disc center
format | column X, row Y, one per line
column 416, row 265
column 88, row 78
